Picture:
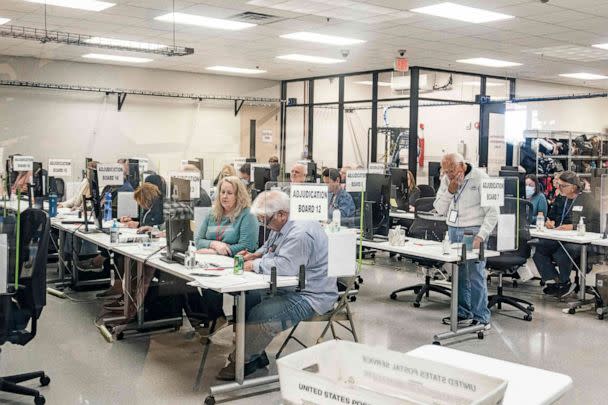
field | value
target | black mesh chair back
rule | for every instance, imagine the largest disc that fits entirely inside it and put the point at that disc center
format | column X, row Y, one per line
column 425, row 226
column 426, row 191
column 60, row 189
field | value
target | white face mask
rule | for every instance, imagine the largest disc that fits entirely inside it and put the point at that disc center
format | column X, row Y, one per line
column 530, row 191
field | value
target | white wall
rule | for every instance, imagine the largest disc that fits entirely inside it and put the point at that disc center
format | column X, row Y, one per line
column 61, row 124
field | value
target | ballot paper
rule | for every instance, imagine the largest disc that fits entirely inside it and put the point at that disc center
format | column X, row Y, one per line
column 126, row 205
column 505, row 233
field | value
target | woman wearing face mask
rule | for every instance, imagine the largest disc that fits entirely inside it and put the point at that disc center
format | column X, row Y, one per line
column 536, row 197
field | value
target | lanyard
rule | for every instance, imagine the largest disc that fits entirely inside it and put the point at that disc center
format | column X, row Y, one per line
column 219, row 235
column 457, row 197
column 567, row 211
column 333, row 200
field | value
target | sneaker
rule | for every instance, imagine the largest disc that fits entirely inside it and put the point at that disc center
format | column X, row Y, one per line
column 550, row 289
column 228, row 373
column 486, row 326
column 462, row 322
column 118, row 305
column 110, row 293
column 564, row 289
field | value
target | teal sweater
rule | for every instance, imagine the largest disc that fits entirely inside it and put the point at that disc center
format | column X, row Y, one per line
column 240, row 235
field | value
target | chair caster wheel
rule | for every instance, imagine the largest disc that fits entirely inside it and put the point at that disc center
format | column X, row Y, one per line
column 480, row 335
column 515, row 285
column 45, row 380
column 531, row 308
column 393, row 296
column 527, row 318
column 39, row 400
column 542, row 283
column 210, row 400
column 353, row 299
column 120, row 336
column 437, row 343
column 600, row 317
column 572, row 311
column 416, row 305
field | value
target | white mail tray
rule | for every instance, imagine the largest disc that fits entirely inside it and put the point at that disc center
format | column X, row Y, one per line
column 341, row 372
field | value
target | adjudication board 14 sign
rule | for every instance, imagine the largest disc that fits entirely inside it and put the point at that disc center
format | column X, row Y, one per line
column 110, row 174
column 308, row 202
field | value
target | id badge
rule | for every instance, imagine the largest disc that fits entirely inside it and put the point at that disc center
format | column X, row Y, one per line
column 453, row 216
column 577, row 208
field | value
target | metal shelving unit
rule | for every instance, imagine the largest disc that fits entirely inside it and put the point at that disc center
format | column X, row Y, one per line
column 567, row 137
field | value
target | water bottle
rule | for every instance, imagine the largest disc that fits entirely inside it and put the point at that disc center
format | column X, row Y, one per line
column 52, row 205
column 190, row 261
column 114, row 232
column 581, row 228
column 336, row 219
column 107, row 209
column 540, row 222
column 446, row 244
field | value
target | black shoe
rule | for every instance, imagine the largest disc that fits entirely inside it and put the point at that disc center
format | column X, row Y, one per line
column 462, row 322
column 228, row 373
column 564, row 289
column 550, row 289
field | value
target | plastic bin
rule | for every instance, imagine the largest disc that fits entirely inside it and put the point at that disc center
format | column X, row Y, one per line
column 340, row 372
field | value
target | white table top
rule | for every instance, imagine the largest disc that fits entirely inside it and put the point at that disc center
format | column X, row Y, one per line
column 526, row 385
column 135, row 251
column 565, row 236
column 600, row 242
column 402, row 215
column 426, row 249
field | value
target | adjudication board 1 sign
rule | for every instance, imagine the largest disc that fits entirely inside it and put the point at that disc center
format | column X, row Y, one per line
column 60, row 167
column 23, row 163
column 492, row 192
column 308, row 202
column 356, row 180
column 110, row 174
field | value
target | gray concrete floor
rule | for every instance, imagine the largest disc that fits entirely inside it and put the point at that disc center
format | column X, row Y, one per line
column 85, row 369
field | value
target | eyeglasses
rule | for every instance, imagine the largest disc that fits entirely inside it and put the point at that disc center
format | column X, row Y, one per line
column 564, row 185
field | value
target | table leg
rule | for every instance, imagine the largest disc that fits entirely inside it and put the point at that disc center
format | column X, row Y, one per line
column 139, row 295
column 582, row 281
column 127, row 286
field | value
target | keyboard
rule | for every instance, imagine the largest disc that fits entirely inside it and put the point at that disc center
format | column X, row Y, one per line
column 75, row 222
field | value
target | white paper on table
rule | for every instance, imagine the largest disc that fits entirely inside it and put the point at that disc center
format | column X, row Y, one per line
column 218, row 282
column 215, row 260
column 126, row 205
column 505, row 233
column 3, row 263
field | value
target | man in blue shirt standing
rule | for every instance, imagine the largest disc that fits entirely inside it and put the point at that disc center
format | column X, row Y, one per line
column 339, row 199
column 289, row 245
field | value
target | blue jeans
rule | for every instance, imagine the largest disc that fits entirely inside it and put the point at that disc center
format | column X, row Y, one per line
column 472, row 286
column 272, row 316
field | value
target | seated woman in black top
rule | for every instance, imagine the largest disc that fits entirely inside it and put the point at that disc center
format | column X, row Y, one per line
column 565, row 213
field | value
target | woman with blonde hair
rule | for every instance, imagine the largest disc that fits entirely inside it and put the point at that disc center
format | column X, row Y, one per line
column 230, row 227
column 227, row 171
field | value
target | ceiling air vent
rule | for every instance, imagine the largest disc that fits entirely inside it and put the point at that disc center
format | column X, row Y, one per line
column 255, row 18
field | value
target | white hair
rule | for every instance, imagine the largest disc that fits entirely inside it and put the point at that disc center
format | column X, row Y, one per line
column 300, row 165
column 455, row 158
column 269, row 203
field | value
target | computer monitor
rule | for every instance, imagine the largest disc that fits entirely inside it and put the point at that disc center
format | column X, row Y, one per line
column 261, row 176
column 179, row 234
column 180, row 189
column 435, row 174
column 378, row 192
column 95, row 199
column 400, row 181
column 40, row 179
column 511, row 186
column 134, row 175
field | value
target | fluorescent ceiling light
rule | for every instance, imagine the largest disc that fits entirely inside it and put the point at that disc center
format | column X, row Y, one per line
column 90, row 5
column 584, row 76
column 370, row 83
column 462, row 13
column 601, row 46
column 488, row 84
column 310, row 59
column 4, row 20
column 488, row 62
column 322, row 39
column 123, row 43
column 191, row 19
column 236, row 70
column 116, row 58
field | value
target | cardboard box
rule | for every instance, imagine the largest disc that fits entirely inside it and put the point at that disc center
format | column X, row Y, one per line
column 341, row 372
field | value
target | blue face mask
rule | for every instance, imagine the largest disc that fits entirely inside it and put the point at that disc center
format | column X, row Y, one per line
column 530, row 191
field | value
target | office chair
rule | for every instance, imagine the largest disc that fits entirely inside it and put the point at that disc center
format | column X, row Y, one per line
column 60, row 189
column 426, row 227
column 337, row 316
column 426, row 191
column 508, row 262
column 27, row 301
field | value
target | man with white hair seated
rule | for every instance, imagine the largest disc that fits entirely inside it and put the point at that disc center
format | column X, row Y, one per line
column 289, row 245
column 298, row 173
